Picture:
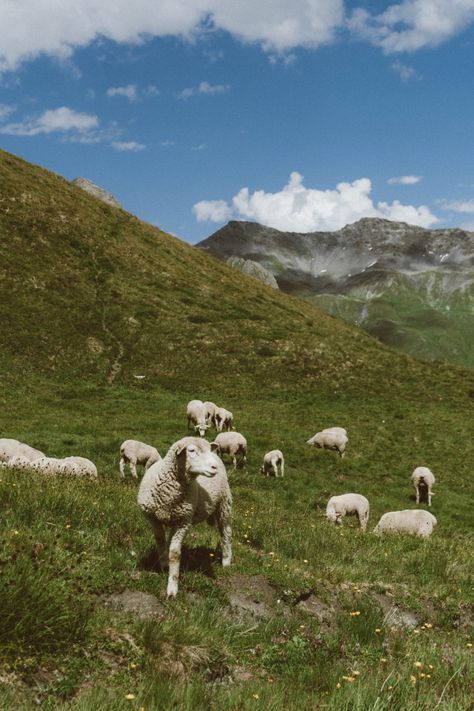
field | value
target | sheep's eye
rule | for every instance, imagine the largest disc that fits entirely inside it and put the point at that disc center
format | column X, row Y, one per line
column 191, row 449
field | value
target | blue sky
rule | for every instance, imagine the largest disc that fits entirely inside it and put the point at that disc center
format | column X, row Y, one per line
column 302, row 115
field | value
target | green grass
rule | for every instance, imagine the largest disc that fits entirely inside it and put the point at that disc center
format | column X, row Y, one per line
column 196, row 328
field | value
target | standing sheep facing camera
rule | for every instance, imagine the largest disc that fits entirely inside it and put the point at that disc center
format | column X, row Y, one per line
column 271, row 461
column 233, row 444
column 188, row 486
column 347, row 505
column 415, row 522
column 133, row 452
column 196, row 414
column 423, row 481
column 334, row 438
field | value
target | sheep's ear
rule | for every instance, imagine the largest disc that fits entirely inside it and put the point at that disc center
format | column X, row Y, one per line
column 180, row 449
column 214, row 446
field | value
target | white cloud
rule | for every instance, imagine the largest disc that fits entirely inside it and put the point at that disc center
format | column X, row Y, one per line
column 153, row 90
column 5, row 111
column 299, row 209
column 128, row 92
column 127, row 146
column 458, row 205
column 413, row 24
column 63, row 120
column 29, row 28
column 404, row 71
column 404, row 180
column 203, row 88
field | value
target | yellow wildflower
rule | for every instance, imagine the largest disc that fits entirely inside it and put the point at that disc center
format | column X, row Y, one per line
column 413, row 679
column 418, row 665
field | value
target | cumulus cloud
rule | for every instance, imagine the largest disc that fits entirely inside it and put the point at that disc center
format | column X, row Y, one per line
column 203, row 88
column 127, row 146
column 128, row 92
column 5, row 111
column 63, row 120
column 413, row 24
column 299, row 209
column 404, row 71
column 404, row 180
column 29, row 28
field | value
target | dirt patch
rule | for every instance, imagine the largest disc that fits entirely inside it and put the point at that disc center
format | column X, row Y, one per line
column 312, row 605
column 253, row 595
column 395, row 616
column 142, row 604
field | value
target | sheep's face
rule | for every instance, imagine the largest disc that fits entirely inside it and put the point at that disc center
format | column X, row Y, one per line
column 201, row 428
column 200, row 463
column 332, row 516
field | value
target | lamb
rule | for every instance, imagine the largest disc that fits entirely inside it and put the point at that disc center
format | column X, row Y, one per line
column 271, row 461
column 196, row 414
column 210, row 408
column 188, row 486
column 47, row 465
column 347, row 505
column 84, row 467
column 19, row 462
column 334, row 438
column 133, row 452
column 223, row 419
column 423, row 480
column 13, row 448
column 232, row 443
column 416, row 522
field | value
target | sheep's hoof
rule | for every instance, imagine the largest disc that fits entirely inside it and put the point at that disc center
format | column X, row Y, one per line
column 172, row 590
column 226, row 562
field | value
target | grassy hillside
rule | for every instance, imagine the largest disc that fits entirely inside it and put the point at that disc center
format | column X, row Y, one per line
column 307, row 616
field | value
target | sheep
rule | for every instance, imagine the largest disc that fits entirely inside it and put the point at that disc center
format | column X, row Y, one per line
column 347, row 505
column 84, row 467
column 13, row 448
column 47, row 465
column 223, row 419
column 233, row 444
column 19, row 462
column 334, row 438
column 188, row 486
column 210, row 408
column 416, row 522
column 196, row 414
column 133, row 452
column 271, row 461
column 423, row 480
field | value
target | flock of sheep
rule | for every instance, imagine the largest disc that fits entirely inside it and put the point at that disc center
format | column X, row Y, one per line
column 190, row 484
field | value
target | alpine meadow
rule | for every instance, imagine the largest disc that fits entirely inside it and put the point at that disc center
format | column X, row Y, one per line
column 109, row 328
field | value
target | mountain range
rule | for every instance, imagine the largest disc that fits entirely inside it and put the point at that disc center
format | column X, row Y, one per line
column 411, row 287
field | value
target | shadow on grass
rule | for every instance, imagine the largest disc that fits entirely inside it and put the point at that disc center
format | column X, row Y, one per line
column 199, row 559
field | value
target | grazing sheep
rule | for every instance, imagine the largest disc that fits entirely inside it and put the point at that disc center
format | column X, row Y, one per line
column 416, row 522
column 334, row 438
column 84, row 467
column 48, row 465
column 347, row 505
column 188, row 486
column 232, row 443
column 271, row 461
column 13, row 448
column 21, row 463
column 133, row 452
column 196, row 414
column 223, row 419
column 423, row 481
column 210, row 409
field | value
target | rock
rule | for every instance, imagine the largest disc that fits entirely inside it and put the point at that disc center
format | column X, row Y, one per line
column 252, row 594
column 142, row 604
column 248, row 266
column 395, row 616
column 96, row 192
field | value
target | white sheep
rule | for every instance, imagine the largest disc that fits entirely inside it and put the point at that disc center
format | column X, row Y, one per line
column 196, row 414
column 210, row 408
column 19, row 462
column 423, row 481
column 13, row 448
column 188, row 486
column 47, row 465
column 133, row 452
column 80, row 466
column 416, row 522
column 271, row 461
column 347, row 505
column 233, row 444
column 334, row 438
column 223, row 419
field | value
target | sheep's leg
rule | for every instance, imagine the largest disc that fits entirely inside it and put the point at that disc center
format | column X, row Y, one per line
column 133, row 468
column 417, row 489
column 282, row 468
column 223, row 517
column 160, row 539
column 429, row 496
column 122, row 467
column 174, row 557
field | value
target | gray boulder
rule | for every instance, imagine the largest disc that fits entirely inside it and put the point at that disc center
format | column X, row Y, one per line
column 248, row 266
column 96, row 192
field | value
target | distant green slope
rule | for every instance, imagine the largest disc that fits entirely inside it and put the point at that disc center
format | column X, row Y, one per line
column 89, row 290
